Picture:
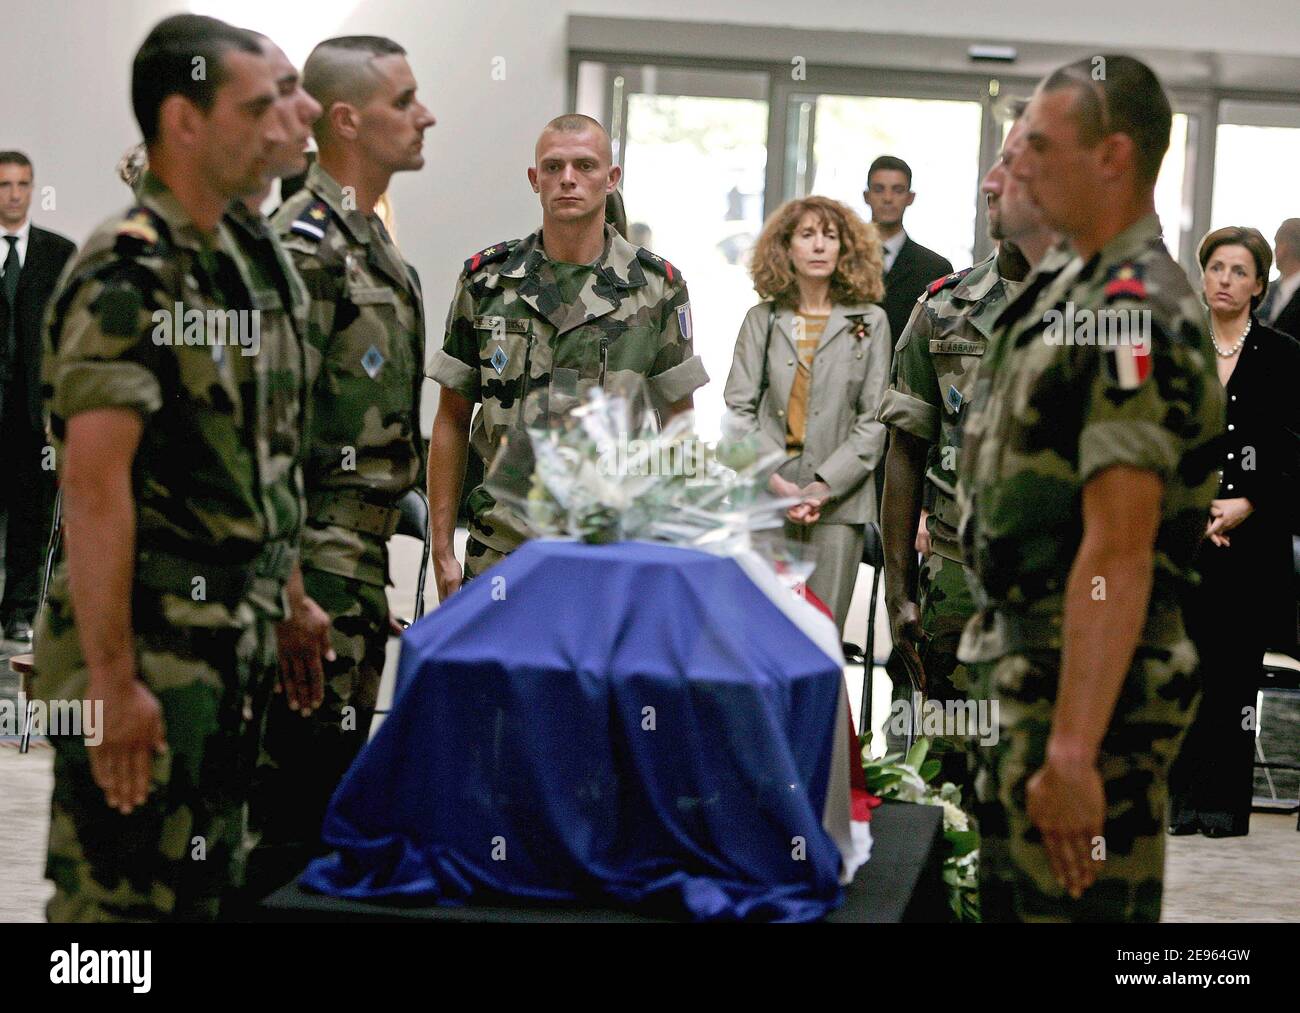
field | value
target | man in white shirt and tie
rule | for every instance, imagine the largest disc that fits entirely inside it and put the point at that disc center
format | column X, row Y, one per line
column 909, row 266
column 31, row 260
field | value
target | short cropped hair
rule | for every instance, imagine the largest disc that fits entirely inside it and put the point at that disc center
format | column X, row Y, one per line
column 577, row 123
column 338, row 70
column 890, row 163
column 859, row 272
column 15, row 158
column 183, row 55
column 1240, row 235
column 1126, row 98
column 1288, row 234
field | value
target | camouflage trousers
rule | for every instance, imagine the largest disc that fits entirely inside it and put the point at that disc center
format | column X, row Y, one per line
column 303, row 759
column 478, row 557
column 1155, row 706
column 179, row 856
column 946, row 605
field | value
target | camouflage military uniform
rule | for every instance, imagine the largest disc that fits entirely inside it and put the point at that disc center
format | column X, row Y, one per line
column 521, row 323
column 1046, row 417
column 218, row 506
column 366, row 338
column 934, row 367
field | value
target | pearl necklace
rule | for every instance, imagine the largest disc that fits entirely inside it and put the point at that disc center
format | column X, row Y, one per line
column 1235, row 348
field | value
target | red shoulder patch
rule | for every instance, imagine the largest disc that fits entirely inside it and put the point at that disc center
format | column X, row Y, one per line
column 653, row 260
column 493, row 253
column 947, row 281
column 1125, row 281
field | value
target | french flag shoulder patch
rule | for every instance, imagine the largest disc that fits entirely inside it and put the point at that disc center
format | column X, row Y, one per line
column 1127, row 365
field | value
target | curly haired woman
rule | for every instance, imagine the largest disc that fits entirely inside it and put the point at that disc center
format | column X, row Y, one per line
column 810, row 368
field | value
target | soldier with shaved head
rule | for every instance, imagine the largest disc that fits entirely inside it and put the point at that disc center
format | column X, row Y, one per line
column 571, row 307
column 366, row 349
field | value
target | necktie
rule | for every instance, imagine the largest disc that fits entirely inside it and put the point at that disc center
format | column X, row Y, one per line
column 9, row 284
column 12, row 269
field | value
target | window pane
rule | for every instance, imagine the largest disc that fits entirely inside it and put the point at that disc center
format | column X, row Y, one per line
column 1175, row 214
column 694, row 172
column 1253, row 165
column 939, row 139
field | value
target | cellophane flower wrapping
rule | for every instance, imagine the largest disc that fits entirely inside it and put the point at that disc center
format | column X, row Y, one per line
column 599, row 468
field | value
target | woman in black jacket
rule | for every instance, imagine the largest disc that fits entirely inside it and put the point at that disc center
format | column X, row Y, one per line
column 1246, row 599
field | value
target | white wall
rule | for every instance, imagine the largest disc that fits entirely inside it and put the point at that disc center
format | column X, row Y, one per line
column 65, row 71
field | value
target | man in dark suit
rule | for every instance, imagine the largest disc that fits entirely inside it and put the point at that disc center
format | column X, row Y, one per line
column 909, row 266
column 1281, row 309
column 31, row 261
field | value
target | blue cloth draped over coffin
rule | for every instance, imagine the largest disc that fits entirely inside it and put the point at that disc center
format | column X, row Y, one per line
column 633, row 723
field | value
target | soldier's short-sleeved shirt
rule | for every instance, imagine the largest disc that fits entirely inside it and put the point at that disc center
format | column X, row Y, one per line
column 511, row 333
column 934, row 368
column 193, row 332
column 1098, row 363
column 366, row 333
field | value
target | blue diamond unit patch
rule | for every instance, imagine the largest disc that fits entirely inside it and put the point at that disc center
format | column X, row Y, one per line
column 499, row 360
column 954, row 398
column 373, row 361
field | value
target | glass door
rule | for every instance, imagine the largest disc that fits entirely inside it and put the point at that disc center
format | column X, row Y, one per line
column 693, row 146
column 1257, row 148
column 834, row 138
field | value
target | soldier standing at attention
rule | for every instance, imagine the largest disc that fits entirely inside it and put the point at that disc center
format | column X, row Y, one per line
column 302, row 635
column 934, row 377
column 1085, row 476
column 165, row 450
column 571, row 306
column 366, row 332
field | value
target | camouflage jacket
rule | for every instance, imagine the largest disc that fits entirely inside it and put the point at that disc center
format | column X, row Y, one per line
column 934, row 368
column 219, row 384
column 367, row 328
column 1053, row 408
column 278, row 290
column 510, row 332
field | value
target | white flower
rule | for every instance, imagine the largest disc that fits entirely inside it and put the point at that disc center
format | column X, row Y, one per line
column 953, row 818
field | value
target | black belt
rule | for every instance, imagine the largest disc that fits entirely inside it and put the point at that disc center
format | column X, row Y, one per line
column 354, row 511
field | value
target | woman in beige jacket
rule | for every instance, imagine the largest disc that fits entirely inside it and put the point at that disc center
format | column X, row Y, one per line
column 810, row 368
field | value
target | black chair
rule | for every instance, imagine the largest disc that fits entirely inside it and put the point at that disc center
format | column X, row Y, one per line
column 22, row 665
column 1280, row 673
column 873, row 554
column 414, row 521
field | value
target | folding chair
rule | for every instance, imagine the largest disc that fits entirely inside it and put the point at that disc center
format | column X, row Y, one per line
column 414, row 521
column 873, row 554
column 1281, row 673
column 23, row 665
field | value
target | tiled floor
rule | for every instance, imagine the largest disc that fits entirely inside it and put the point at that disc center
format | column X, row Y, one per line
column 1253, row 878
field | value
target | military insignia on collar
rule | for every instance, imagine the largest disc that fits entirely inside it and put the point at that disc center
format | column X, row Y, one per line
column 499, row 360
column 1125, row 281
column 954, row 398
column 684, row 323
column 137, row 225
column 658, row 263
column 493, row 253
column 947, row 281
column 140, row 232
column 312, row 221
column 861, row 329
column 373, row 361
